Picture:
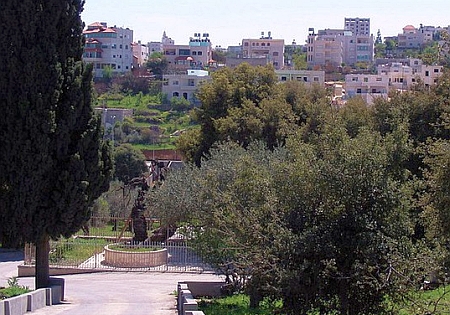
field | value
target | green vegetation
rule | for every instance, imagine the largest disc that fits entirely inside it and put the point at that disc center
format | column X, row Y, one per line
column 119, row 100
column 13, row 289
column 237, row 305
column 74, row 251
column 329, row 210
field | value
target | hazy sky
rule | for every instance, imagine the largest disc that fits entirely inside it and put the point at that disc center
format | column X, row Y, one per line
column 229, row 21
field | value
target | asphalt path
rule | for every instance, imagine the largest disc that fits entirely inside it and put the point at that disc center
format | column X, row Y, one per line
column 109, row 293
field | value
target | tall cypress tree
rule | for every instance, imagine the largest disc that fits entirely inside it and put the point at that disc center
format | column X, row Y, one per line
column 53, row 163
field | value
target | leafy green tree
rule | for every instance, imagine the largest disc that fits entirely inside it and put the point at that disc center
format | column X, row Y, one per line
column 53, row 164
column 343, row 212
column 129, row 163
column 157, row 64
column 355, row 115
column 107, row 74
column 299, row 59
column 232, row 202
column 230, row 88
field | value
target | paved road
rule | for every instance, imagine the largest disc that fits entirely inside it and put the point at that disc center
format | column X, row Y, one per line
column 111, row 293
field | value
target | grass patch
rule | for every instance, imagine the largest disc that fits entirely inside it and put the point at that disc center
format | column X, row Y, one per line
column 13, row 289
column 237, row 305
column 435, row 301
column 74, row 251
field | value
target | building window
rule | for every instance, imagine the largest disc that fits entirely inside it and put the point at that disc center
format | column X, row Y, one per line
column 263, row 44
column 191, row 82
column 185, row 96
column 184, row 52
column 194, row 53
column 175, row 82
column 275, row 53
column 358, row 91
column 175, row 94
column 199, row 53
column 268, row 44
column 253, row 44
column 316, row 79
column 245, row 44
column 366, row 79
column 436, row 70
column 113, row 46
column 355, row 79
column 126, row 46
column 427, row 73
column 120, row 46
column 283, row 79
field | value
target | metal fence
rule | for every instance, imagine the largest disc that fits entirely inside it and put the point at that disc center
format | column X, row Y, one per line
column 86, row 249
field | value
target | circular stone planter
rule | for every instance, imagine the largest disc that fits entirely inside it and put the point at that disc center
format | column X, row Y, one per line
column 130, row 259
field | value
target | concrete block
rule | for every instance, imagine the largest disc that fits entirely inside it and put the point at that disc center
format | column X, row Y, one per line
column 189, row 305
column 194, row 313
column 57, row 286
column 2, row 307
column 182, row 295
column 16, row 305
column 36, row 300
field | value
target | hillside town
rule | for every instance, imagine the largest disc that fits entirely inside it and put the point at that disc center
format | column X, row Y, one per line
column 351, row 59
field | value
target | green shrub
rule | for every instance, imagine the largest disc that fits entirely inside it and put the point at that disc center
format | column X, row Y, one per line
column 13, row 289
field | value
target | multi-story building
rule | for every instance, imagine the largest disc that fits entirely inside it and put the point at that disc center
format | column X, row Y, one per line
column 108, row 47
column 308, row 77
column 415, row 38
column 267, row 48
column 334, row 47
column 393, row 76
column 358, row 26
column 140, row 54
column 197, row 54
column 184, row 85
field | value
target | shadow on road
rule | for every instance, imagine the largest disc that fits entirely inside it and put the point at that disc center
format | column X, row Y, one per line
column 10, row 255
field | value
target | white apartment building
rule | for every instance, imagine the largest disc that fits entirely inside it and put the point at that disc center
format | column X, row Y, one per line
column 393, row 76
column 185, row 85
column 266, row 48
column 108, row 46
column 308, row 77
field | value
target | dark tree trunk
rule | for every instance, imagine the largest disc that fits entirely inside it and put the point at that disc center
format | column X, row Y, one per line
column 255, row 296
column 42, row 264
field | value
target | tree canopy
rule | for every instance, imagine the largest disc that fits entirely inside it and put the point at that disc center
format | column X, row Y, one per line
column 334, row 211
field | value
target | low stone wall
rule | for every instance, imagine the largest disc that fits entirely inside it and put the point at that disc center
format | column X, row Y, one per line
column 188, row 291
column 121, row 259
column 32, row 301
